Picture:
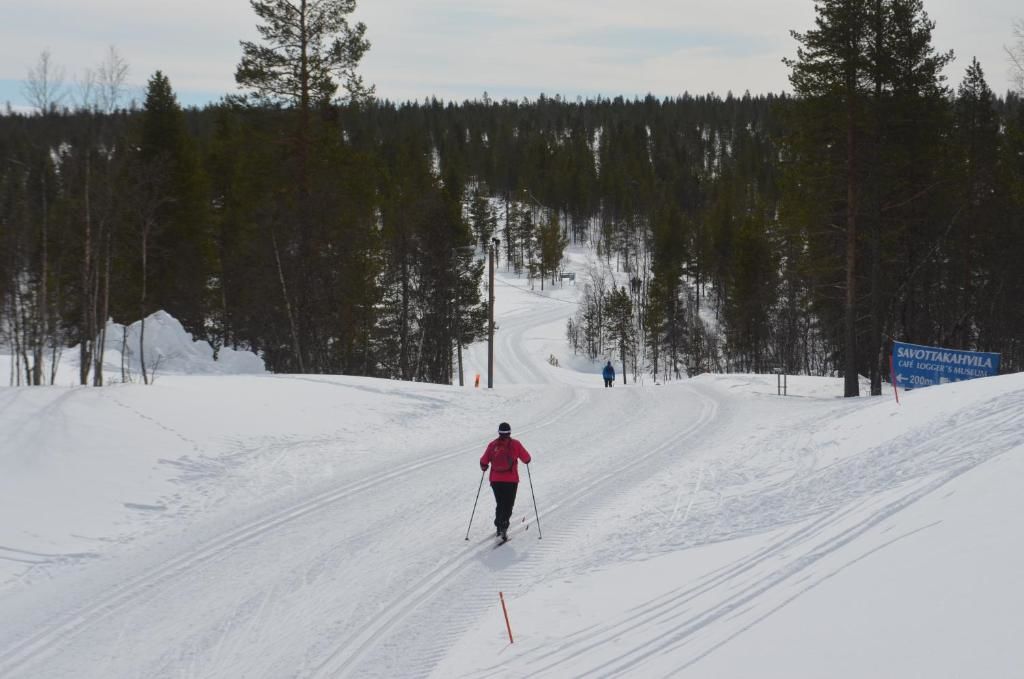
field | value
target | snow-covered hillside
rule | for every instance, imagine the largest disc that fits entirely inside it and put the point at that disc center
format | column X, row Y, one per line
column 314, row 526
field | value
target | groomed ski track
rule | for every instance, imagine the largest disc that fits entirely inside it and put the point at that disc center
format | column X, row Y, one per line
column 741, row 508
column 371, row 577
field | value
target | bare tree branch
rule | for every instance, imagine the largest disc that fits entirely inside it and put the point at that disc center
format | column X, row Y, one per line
column 1016, row 55
column 110, row 81
column 44, row 85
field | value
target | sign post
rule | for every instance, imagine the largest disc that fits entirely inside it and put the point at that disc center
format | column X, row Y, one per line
column 492, row 251
column 892, row 376
column 780, row 381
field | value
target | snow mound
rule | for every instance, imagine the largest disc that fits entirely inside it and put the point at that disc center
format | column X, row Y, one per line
column 169, row 349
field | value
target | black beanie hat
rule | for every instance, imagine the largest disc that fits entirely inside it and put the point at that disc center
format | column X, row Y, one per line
column 504, row 429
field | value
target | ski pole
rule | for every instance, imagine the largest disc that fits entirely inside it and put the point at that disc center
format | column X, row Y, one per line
column 475, row 501
column 540, row 536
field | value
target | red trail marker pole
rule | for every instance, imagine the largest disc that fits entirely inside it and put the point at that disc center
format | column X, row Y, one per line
column 892, row 373
column 504, row 609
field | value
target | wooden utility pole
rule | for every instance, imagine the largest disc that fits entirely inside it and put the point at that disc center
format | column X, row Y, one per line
column 490, row 311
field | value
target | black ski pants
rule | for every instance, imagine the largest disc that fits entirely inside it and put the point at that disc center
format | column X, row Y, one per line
column 505, row 499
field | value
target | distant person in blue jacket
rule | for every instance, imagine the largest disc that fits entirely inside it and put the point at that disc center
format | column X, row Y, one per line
column 609, row 375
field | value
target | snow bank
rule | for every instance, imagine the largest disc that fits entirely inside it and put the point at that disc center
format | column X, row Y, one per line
column 169, row 349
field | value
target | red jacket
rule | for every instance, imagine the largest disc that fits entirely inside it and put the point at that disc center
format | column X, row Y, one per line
column 503, row 455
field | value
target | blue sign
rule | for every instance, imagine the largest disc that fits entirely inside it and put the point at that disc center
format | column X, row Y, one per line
column 920, row 366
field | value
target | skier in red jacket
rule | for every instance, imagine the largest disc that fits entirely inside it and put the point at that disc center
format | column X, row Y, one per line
column 503, row 455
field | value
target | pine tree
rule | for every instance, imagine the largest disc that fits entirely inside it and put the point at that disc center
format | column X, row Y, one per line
column 906, row 131
column 829, row 76
column 979, row 194
column 482, row 217
column 309, row 49
column 664, row 314
column 752, row 297
column 552, row 243
column 868, row 116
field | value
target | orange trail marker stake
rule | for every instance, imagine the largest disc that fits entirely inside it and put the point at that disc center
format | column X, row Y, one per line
column 476, row 382
column 892, row 373
column 505, row 610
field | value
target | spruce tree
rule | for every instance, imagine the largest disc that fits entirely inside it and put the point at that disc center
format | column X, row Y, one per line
column 179, row 245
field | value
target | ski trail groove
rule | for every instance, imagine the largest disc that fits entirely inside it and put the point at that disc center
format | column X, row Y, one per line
column 345, row 658
column 43, row 642
column 822, row 537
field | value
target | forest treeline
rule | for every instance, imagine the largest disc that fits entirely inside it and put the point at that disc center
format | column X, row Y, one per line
column 798, row 232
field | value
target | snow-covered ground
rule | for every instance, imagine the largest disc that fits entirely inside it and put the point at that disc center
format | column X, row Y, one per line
column 314, row 526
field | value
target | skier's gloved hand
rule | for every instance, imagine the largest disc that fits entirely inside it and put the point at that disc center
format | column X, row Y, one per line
column 483, row 467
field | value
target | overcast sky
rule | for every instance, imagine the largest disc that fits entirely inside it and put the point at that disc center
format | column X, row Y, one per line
column 458, row 49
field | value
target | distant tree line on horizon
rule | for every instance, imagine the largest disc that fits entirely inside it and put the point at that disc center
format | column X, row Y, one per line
column 347, row 235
